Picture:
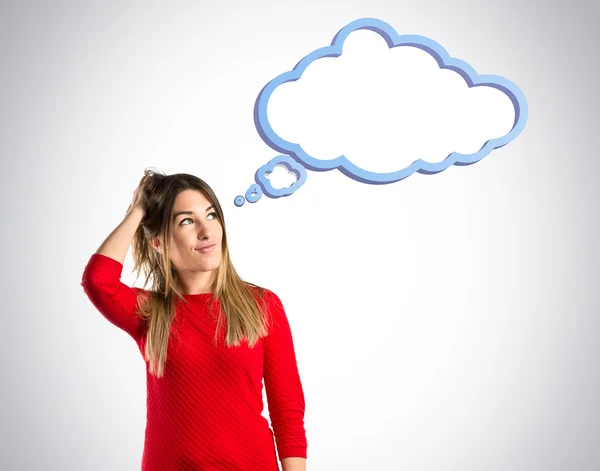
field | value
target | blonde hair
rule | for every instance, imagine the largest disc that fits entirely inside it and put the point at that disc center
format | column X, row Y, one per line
column 237, row 299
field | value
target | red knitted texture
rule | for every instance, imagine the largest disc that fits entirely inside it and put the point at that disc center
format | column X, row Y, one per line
column 205, row 413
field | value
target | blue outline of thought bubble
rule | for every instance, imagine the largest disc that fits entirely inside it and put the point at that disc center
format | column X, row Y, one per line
column 255, row 192
column 291, row 165
column 392, row 38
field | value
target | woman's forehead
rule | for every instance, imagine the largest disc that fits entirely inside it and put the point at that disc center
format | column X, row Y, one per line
column 190, row 198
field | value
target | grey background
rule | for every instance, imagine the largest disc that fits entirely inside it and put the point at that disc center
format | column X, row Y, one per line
column 448, row 322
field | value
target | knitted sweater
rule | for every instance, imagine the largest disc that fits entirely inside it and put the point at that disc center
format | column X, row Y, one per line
column 205, row 413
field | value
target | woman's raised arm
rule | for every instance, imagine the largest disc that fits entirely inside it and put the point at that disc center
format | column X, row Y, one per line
column 101, row 278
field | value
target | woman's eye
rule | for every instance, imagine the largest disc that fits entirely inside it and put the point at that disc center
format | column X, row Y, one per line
column 190, row 219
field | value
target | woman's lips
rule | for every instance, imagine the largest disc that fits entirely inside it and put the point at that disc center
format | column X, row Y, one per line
column 206, row 249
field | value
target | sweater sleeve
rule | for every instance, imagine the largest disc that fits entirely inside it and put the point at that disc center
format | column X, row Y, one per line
column 116, row 301
column 285, row 396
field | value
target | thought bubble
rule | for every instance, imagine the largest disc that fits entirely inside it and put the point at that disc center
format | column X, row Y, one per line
column 375, row 98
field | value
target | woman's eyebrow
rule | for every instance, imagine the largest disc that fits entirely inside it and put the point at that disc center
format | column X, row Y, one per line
column 178, row 213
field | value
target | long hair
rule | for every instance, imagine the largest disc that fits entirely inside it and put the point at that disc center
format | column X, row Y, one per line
column 237, row 299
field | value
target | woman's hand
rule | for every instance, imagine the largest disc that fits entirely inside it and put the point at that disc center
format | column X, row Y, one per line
column 118, row 241
column 138, row 202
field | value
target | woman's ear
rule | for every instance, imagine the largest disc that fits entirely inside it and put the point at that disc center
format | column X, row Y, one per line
column 155, row 243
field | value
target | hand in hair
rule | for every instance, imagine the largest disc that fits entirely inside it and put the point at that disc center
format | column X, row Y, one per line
column 138, row 200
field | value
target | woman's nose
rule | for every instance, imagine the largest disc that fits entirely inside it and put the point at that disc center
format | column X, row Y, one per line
column 203, row 231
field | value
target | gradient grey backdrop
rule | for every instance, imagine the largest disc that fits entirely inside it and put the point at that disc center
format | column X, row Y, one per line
column 446, row 322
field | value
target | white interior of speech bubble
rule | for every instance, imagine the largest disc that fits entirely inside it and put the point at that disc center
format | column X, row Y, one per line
column 281, row 177
column 384, row 108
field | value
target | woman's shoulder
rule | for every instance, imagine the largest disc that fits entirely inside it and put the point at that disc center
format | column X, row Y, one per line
column 263, row 293
column 259, row 289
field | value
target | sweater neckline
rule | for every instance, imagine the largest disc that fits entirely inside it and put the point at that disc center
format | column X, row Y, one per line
column 197, row 295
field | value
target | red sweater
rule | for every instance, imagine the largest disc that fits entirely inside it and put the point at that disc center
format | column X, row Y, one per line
column 205, row 413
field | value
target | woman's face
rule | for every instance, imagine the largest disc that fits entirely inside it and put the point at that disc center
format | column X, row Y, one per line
column 195, row 225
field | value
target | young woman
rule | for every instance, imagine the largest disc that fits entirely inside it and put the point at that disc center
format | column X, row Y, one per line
column 207, row 337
